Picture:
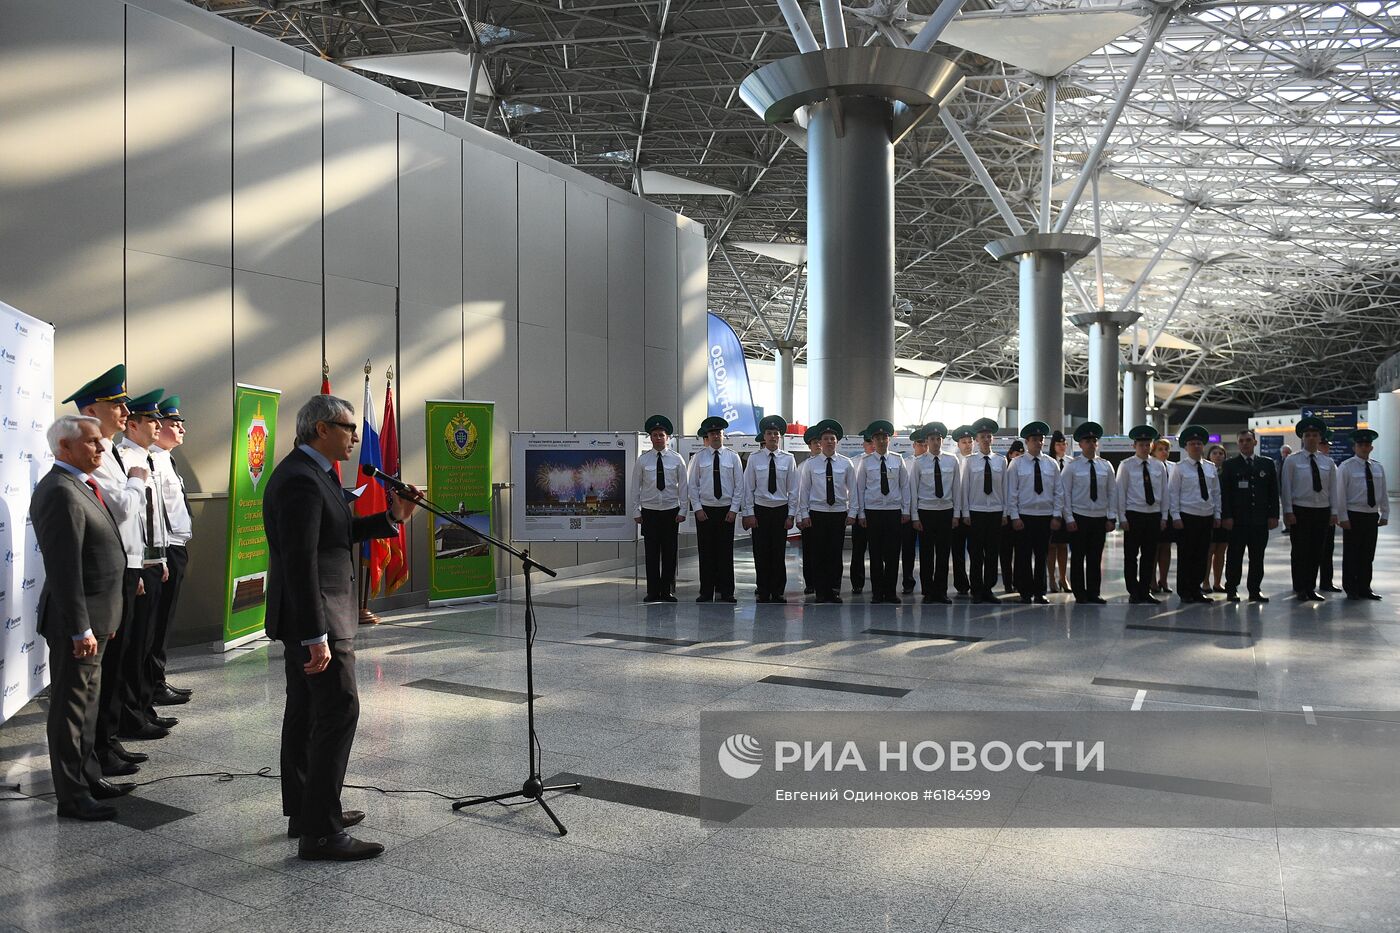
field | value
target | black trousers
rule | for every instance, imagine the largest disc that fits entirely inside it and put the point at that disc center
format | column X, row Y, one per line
column 110, row 706
column 660, row 538
column 1140, row 552
column 935, row 544
column 177, row 558
column 1086, row 555
column 318, row 728
column 808, row 579
column 1007, row 553
column 828, row 538
column 1193, row 553
column 885, row 536
column 1246, row 537
column 770, row 549
column 1309, row 542
column 859, row 539
column 714, row 540
column 1324, row 569
column 908, row 546
column 984, row 548
column 140, row 636
column 960, row 540
column 1032, row 549
column 1359, row 552
column 74, row 687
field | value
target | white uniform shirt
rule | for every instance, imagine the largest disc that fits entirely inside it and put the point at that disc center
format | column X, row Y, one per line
column 972, row 484
column 158, row 535
column 1021, row 497
column 1184, row 489
column 869, row 496
column 924, row 493
column 1296, row 481
column 811, row 491
column 1074, row 489
column 1349, row 490
column 731, row 479
column 674, row 495
column 180, row 526
column 1131, row 491
column 784, row 466
column 126, row 500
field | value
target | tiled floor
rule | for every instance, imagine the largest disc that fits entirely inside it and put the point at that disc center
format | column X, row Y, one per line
column 442, row 696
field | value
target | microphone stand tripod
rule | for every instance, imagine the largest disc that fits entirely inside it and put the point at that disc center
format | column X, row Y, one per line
column 534, row 787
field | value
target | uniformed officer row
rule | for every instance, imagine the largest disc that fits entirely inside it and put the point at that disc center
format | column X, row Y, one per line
column 972, row 505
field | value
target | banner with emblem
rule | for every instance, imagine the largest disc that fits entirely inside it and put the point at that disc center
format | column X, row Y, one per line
column 26, row 411
column 254, row 448
column 461, row 567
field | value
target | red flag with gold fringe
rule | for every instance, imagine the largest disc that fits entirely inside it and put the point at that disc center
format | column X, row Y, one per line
column 396, row 569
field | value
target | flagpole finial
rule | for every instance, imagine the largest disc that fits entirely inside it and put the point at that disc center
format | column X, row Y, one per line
column 325, row 369
column 389, row 374
column 367, row 369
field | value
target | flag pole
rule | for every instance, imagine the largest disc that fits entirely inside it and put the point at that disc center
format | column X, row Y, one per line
column 366, row 616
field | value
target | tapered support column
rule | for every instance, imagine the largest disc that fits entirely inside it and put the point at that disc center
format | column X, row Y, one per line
column 1042, row 259
column 1104, row 328
column 784, row 352
column 1387, row 425
column 1135, row 407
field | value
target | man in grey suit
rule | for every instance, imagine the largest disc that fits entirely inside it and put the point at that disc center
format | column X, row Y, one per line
column 312, row 609
column 80, row 609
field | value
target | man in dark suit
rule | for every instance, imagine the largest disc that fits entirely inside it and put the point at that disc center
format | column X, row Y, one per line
column 80, row 609
column 312, row 610
column 1248, row 511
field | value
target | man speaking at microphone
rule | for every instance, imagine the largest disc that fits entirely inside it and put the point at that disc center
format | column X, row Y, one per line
column 312, row 610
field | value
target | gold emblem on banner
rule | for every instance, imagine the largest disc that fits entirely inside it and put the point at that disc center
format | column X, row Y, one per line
column 257, row 446
column 461, row 436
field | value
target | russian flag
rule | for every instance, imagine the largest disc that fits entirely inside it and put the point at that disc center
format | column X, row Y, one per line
column 372, row 500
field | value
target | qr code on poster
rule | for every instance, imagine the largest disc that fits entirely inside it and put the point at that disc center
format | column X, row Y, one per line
column 575, row 524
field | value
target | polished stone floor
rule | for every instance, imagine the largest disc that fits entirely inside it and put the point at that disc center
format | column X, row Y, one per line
column 441, row 710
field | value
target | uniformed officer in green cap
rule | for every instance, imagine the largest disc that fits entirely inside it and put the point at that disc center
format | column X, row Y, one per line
column 1032, row 500
column 175, row 513
column 826, row 504
column 770, row 495
column 934, row 505
column 717, row 498
column 882, row 490
column 1361, row 505
column 1142, row 513
column 812, row 438
column 909, row 542
column 966, row 439
column 1305, row 490
column 859, row 535
column 1088, row 507
column 662, row 498
column 1193, row 499
column 983, row 510
column 1248, row 512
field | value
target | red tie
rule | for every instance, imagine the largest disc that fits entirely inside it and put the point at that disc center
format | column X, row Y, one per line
column 97, row 492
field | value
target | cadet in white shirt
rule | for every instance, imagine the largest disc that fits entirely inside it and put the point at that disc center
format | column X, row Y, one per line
column 826, row 504
column 717, row 499
column 1088, row 507
column 965, row 438
column 937, row 497
column 859, row 536
column 982, row 506
column 179, row 526
column 770, row 481
column 1360, row 504
column 1305, row 489
column 1142, row 513
column 1193, row 498
column 882, row 508
column 661, row 499
column 910, row 540
column 1032, row 499
column 812, row 438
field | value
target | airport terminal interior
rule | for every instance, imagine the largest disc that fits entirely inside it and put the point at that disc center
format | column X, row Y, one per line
column 597, row 279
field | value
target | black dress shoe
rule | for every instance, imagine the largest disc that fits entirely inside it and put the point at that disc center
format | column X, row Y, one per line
column 822, row 599
column 1258, row 598
column 1369, row 595
column 144, row 732
column 942, row 599
column 669, row 598
column 120, row 751
column 833, row 598
column 907, row 589
column 1231, row 596
column 808, row 590
column 876, row 600
column 342, row 847
column 726, row 599
column 1098, row 601
column 106, row 790
column 704, row 599
column 183, row 691
column 893, row 599
column 163, row 722
column 760, row 599
column 167, row 697
column 857, row 590
column 115, row 767
column 1311, row 598
column 777, row 599
column 348, row 818
column 1040, row 600
column 1024, row 599
column 87, row 809
column 1329, row 588
column 651, row 598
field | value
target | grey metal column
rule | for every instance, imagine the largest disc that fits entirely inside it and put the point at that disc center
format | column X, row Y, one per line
column 1135, row 405
column 1386, row 422
column 783, row 353
column 1042, row 259
column 858, row 103
column 1104, row 328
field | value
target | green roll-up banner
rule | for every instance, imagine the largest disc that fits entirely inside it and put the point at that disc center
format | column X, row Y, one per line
column 254, row 444
column 460, row 566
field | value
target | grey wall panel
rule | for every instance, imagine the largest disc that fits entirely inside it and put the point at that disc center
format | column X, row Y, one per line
column 488, row 233
column 361, row 188
column 430, row 361
column 277, row 342
column 692, row 286
column 662, row 394
column 542, row 384
column 359, row 327
column 586, row 383
column 181, row 319
column 541, row 257
column 586, row 280
column 61, row 191
column 661, row 294
column 627, row 401
column 199, row 615
column 430, row 216
column 626, row 316
column 276, row 169
column 179, row 141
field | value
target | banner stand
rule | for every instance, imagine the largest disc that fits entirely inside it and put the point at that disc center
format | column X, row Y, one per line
column 250, row 463
column 461, row 567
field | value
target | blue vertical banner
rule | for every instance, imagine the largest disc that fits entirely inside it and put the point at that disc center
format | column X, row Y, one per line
column 730, row 395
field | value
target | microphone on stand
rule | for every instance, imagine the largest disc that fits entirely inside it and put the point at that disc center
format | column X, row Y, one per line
column 369, row 471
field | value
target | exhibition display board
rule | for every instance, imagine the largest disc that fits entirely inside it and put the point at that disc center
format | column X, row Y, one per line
column 573, row 486
column 460, row 565
column 254, row 454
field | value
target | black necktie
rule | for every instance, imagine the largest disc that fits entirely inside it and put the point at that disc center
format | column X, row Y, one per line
column 1370, row 486
column 937, row 479
column 1039, row 483
column 660, row 472
column 884, row 478
column 1201, row 475
column 150, row 504
column 772, row 473
column 1093, row 482
column 719, row 490
column 1147, row 484
column 830, row 484
column 986, row 475
column 1317, row 476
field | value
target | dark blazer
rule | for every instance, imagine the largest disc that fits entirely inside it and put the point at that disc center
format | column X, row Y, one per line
column 311, row 537
column 1249, row 496
column 84, row 560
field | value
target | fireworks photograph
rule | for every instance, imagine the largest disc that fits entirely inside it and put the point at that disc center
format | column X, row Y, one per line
column 575, row 482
